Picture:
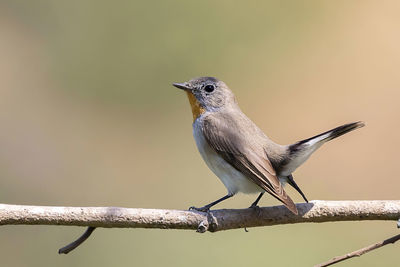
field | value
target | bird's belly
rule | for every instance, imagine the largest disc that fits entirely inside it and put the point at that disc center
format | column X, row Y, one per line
column 233, row 180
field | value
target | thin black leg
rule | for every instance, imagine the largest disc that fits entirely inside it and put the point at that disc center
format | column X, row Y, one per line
column 207, row 207
column 255, row 207
column 256, row 202
column 295, row 186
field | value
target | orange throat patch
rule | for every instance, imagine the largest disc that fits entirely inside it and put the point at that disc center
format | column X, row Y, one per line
column 197, row 109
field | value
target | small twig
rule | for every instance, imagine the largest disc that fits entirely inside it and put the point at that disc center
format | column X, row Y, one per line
column 68, row 248
column 360, row 252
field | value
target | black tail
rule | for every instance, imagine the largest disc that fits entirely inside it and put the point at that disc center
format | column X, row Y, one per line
column 299, row 152
column 332, row 134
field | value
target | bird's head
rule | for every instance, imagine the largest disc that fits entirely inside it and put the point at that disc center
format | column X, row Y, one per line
column 206, row 94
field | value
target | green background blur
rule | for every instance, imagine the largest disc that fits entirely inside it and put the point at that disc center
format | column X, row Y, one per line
column 88, row 117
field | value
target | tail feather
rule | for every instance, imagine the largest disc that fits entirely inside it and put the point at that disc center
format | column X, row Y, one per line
column 299, row 152
column 331, row 134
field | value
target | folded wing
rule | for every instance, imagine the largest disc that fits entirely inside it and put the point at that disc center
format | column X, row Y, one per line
column 245, row 155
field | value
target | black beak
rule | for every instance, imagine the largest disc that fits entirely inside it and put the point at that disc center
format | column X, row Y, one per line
column 183, row 86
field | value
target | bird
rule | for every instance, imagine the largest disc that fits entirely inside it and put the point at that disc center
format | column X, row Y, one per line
column 238, row 152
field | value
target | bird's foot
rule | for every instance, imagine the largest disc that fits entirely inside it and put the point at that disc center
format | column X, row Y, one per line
column 256, row 208
column 202, row 209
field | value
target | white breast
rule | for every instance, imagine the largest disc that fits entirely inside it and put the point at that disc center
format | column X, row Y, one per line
column 233, row 180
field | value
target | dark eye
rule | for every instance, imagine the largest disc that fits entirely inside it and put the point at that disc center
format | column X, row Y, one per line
column 209, row 88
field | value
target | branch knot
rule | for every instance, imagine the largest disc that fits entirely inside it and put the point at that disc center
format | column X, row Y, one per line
column 212, row 222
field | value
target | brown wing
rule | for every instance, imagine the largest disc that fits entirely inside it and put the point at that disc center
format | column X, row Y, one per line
column 248, row 157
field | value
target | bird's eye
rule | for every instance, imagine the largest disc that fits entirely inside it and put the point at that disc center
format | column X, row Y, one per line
column 209, row 88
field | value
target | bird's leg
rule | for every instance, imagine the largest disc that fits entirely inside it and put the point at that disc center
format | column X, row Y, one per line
column 254, row 205
column 207, row 207
column 291, row 181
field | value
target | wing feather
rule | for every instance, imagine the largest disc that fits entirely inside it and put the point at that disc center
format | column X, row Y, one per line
column 247, row 157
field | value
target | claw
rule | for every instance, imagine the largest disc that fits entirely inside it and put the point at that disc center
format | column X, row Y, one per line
column 256, row 208
column 202, row 209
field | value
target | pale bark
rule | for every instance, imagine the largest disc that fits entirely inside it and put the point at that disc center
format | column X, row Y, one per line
column 360, row 252
column 216, row 220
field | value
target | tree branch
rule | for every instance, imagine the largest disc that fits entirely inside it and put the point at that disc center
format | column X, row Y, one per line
column 360, row 252
column 70, row 247
column 216, row 220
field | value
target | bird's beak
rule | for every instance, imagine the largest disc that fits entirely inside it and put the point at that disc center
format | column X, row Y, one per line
column 183, row 86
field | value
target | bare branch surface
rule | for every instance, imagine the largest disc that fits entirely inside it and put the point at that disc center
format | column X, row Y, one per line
column 216, row 220
column 360, row 252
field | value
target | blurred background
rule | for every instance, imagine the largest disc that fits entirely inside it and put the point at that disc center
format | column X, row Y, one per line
column 88, row 117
